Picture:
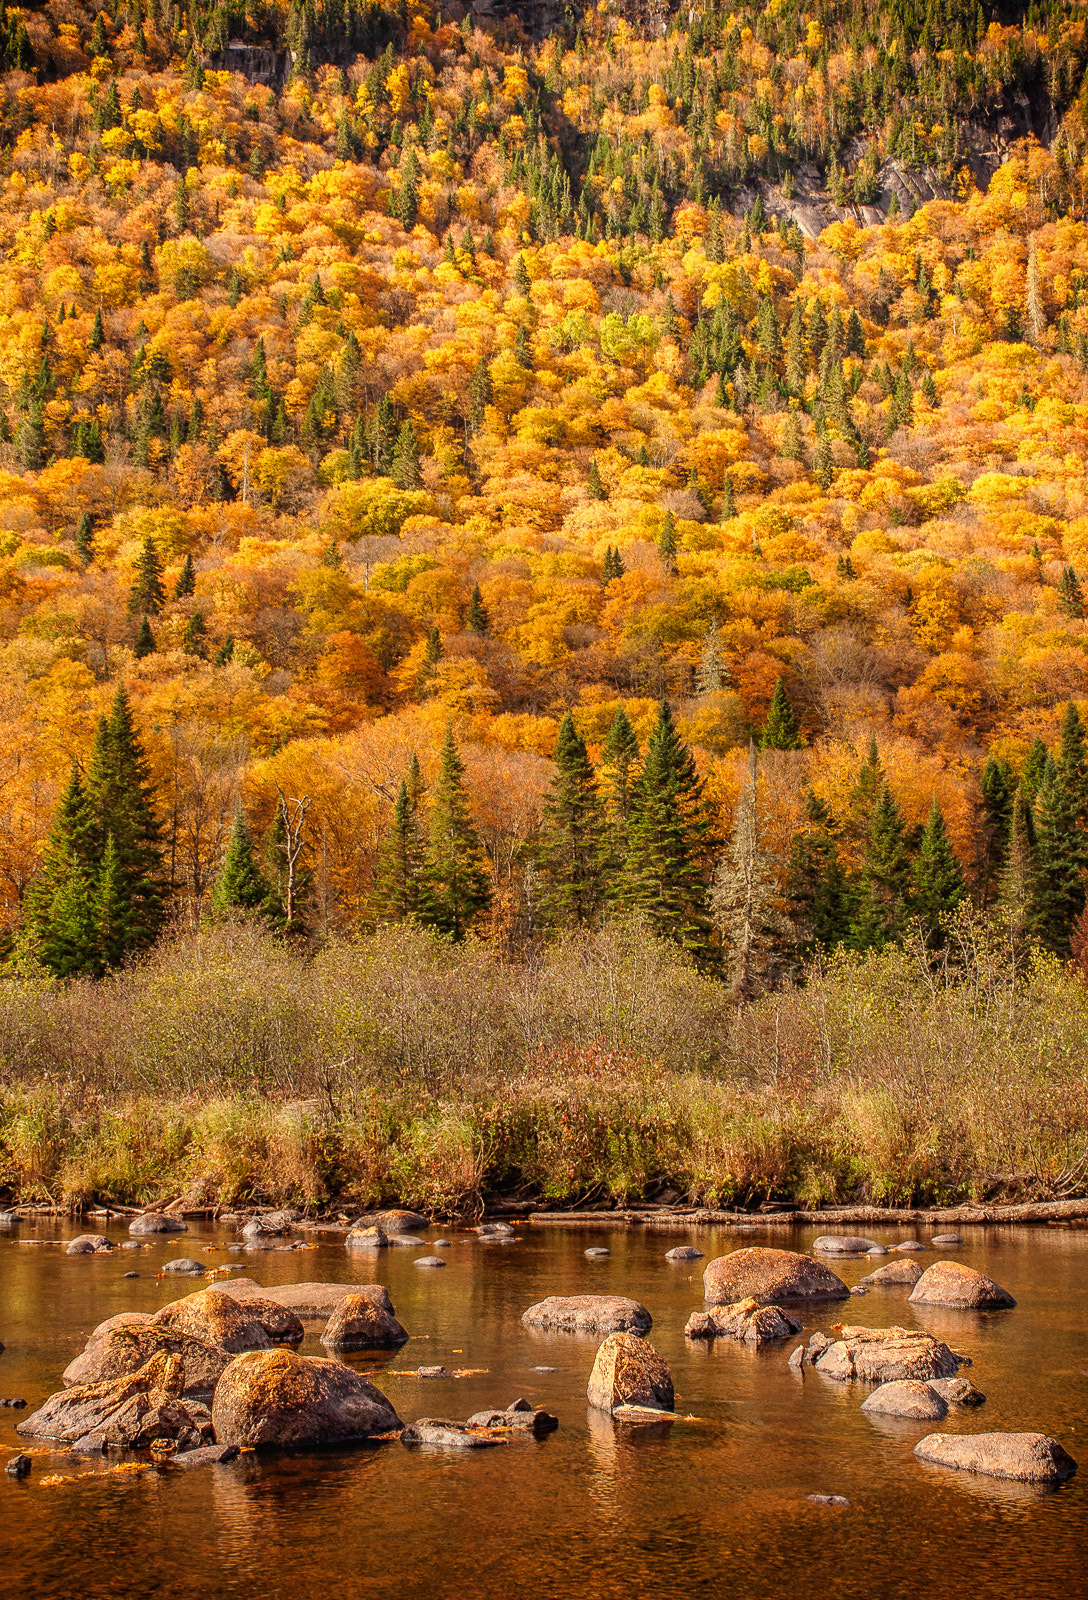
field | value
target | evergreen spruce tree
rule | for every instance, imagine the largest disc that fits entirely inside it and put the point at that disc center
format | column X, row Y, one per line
column 145, row 640
column 147, row 593
column 59, row 904
column 1070, row 594
column 1060, row 859
column 120, row 802
column 405, row 468
column 111, row 911
column 820, row 904
column 998, row 786
column 1034, row 770
column 883, row 906
column 97, row 333
column 729, row 500
column 476, row 618
column 457, row 887
column 399, row 882
column 85, row 540
column 1018, row 883
column 186, row 584
column 867, row 790
column 594, row 485
column 432, row 655
column 225, row 654
column 666, row 871
column 241, row 885
column 938, row 885
column 416, row 787
column 571, row 846
column 781, row 730
column 666, row 542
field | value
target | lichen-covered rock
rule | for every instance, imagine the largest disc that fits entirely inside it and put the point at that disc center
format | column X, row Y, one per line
column 839, row 1244
column 518, row 1418
column 217, row 1317
column 366, row 1239
column 885, row 1355
column 769, row 1276
column 126, row 1350
column 1023, row 1457
column 589, row 1313
column 441, row 1434
column 359, row 1323
column 629, row 1372
column 950, row 1283
column 128, row 1411
column 908, row 1398
column 269, row 1398
column 894, row 1274
column 748, row 1321
column 89, row 1244
column 150, row 1222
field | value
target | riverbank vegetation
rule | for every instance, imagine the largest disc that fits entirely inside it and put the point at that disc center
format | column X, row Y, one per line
column 229, row 1067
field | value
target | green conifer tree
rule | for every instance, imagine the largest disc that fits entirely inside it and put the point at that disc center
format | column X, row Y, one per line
column 240, row 885
column 120, row 802
column 85, row 540
column 883, row 907
column 400, row 886
column 781, row 730
column 477, row 619
column 1034, row 770
column 1018, row 882
column 186, row 584
column 111, row 911
column 820, row 904
column 457, row 886
column 595, row 486
column 98, row 335
column 147, row 593
column 570, row 851
column 666, row 542
column 667, row 862
column 405, row 468
column 938, row 883
column 145, row 640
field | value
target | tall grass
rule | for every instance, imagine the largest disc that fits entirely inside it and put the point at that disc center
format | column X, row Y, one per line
column 399, row 1067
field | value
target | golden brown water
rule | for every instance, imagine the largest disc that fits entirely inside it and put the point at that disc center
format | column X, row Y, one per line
column 714, row 1506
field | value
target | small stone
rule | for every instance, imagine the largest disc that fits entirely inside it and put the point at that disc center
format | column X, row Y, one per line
column 130, row 1274
column 909, row 1245
column 797, row 1357
column 441, row 1244
column 129, row 1244
column 211, row 1455
column 544, row 1369
column 182, row 1265
column 946, row 1241
column 838, row 1244
column 19, row 1467
column 441, row 1434
column 684, row 1252
column 860, row 1289
column 428, row 1261
column 959, row 1393
column 829, row 1500
column 88, row 1244
column 14, row 1405
column 597, row 1252
column 432, row 1372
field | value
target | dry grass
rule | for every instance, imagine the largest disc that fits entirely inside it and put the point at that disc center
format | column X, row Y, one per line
column 400, row 1068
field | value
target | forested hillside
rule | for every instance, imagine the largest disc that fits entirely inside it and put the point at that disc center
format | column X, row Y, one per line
column 542, row 465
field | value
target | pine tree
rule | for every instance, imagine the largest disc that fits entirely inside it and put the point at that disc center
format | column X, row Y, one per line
column 432, row 655
column 186, row 584
column 241, row 885
column 571, row 845
column 666, row 542
column 98, row 336
column 145, row 640
column 938, row 884
column 781, row 730
column 147, row 593
column 998, row 787
column 458, row 889
column 1070, row 594
column 1018, row 883
column 729, row 501
column 59, row 909
column 476, row 618
column 744, row 896
column 521, row 276
column 405, row 468
column 120, row 802
column 111, row 911
column 818, row 894
column 666, row 870
column 1034, row 770
column 883, row 899
column 594, row 485
column 400, row 887
column 85, row 540
column 416, row 787
column 225, row 654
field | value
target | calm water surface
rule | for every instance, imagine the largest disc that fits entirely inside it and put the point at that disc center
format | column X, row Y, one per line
column 712, row 1506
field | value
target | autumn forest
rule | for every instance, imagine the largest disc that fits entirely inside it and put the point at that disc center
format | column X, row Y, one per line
column 520, row 477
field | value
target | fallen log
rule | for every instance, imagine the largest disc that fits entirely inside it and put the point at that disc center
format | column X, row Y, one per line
column 1032, row 1211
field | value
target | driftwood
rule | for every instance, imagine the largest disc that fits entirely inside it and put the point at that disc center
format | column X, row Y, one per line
column 1040, row 1211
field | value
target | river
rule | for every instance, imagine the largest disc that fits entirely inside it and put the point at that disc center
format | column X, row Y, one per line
column 714, row 1505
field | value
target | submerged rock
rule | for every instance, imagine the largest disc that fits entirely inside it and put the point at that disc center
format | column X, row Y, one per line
column 629, row 1372
column 495, row 1230
column 907, row 1398
column 958, row 1393
column 589, row 1313
column 183, row 1265
column 909, row 1245
column 156, row 1222
column 272, row 1398
column 769, row 1276
column 19, row 1467
column 895, row 1273
column 88, row 1244
column 441, row 1434
column 129, row 1411
column 518, row 1418
column 747, row 1321
column 884, row 1355
column 946, row 1241
column 428, row 1261
column 684, row 1252
column 1023, row 1457
column 359, row 1323
column 209, row 1455
column 950, row 1283
column 840, row 1244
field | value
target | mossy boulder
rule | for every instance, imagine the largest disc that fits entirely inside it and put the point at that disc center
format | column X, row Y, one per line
column 277, row 1398
column 769, row 1276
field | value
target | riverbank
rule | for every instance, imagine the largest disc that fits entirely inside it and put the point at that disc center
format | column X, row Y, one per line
column 230, row 1071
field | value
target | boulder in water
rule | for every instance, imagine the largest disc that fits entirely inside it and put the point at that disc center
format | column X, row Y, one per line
column 310, row 1301
column 958, row 1394
column 629, row 1372
column 273, row 1398
column 747, row 1321
column 88, row 1244
column 149, row 1222
column 393, row 1222
column 885, row 1355
column 950, row 1283
column 844, row 1244
column 589, row 1313
column 1023, row 1457
column 894, row 1274
column 366, row 1239
column 909, row 1398
column 128, row 1411
column 769, row 1276
column 359, row 1323
column 684, row 1252
column 440, row 1434
column 183, row 1266
column 217, row 1317
column 123, row 1351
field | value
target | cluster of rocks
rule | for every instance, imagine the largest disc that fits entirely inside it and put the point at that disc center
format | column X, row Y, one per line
column 483, row 1428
